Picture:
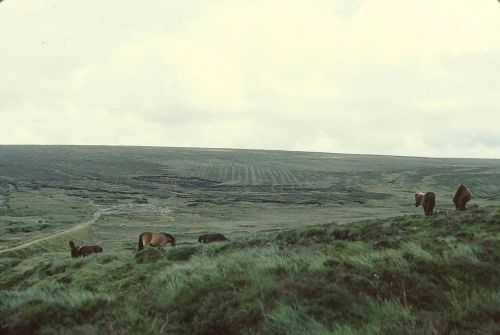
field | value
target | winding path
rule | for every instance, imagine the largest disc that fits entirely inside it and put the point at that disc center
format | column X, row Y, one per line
column 94, row 218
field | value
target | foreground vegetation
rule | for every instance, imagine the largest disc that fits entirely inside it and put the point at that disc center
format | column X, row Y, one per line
column 401, row 275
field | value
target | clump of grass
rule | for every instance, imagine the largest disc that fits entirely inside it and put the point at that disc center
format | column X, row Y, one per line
column 464, row 253
column 293, row 320
column 7, row 263
column 181, row 253
column 415, row 251
column 384, row 317
column 208, row 299
column 477, row 312
column 149, row 255
column 28, row 311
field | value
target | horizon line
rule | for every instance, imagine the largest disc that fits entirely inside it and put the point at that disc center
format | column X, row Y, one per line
column 243, row 149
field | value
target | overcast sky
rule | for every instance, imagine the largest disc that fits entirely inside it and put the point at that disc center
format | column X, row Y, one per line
column 354, row 76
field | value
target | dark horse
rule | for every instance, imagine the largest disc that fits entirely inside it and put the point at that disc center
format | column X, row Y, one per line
column 427, row 200
column 461, row 197
column 83, row 251
column 209, row 238
column 155, row 240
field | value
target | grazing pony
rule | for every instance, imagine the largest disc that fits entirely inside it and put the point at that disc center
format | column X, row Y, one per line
column 155, row 240
column 83, row 251
column 209, row 238
column 427, row 200
column 461, row 197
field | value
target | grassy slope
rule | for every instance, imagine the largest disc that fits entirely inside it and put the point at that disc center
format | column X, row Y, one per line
column 396, row 275
column 402, row 275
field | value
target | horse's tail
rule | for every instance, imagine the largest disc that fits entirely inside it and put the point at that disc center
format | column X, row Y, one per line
column 141, row 246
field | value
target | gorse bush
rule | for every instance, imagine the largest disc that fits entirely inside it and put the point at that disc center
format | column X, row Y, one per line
column 404, row 275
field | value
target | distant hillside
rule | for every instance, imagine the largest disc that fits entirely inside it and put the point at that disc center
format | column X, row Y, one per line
column 48, row 189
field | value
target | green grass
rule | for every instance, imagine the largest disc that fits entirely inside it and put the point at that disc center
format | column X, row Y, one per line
column 320, row 243
column 401, row 275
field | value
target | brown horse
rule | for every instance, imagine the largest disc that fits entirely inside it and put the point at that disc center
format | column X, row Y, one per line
column 461, row 197
column 209, row 238
column 83, row 251
column 155, row 240
column 74, row 249
column 427, row 200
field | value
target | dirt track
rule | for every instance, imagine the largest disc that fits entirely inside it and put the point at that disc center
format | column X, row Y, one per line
column 95, row 217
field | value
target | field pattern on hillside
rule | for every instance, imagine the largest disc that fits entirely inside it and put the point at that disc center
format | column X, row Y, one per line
column 46, row 189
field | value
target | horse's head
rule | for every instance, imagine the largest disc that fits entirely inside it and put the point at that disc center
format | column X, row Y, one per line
column 74, row 249
column 418, row 198
column 172, row 241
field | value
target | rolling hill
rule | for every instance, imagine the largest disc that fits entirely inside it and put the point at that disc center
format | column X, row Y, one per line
column 320, row 243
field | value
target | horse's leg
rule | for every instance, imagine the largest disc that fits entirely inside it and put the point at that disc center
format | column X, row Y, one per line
column 154, row 243
column 148, row 242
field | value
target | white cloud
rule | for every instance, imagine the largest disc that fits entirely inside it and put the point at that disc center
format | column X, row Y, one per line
column 385, row 76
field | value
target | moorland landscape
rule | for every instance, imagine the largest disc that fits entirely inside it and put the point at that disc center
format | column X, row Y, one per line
column 319, row 243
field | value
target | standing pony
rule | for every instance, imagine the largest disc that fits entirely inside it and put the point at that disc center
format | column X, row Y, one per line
column 155, row 240
column 461, row 197
column 427, row 200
